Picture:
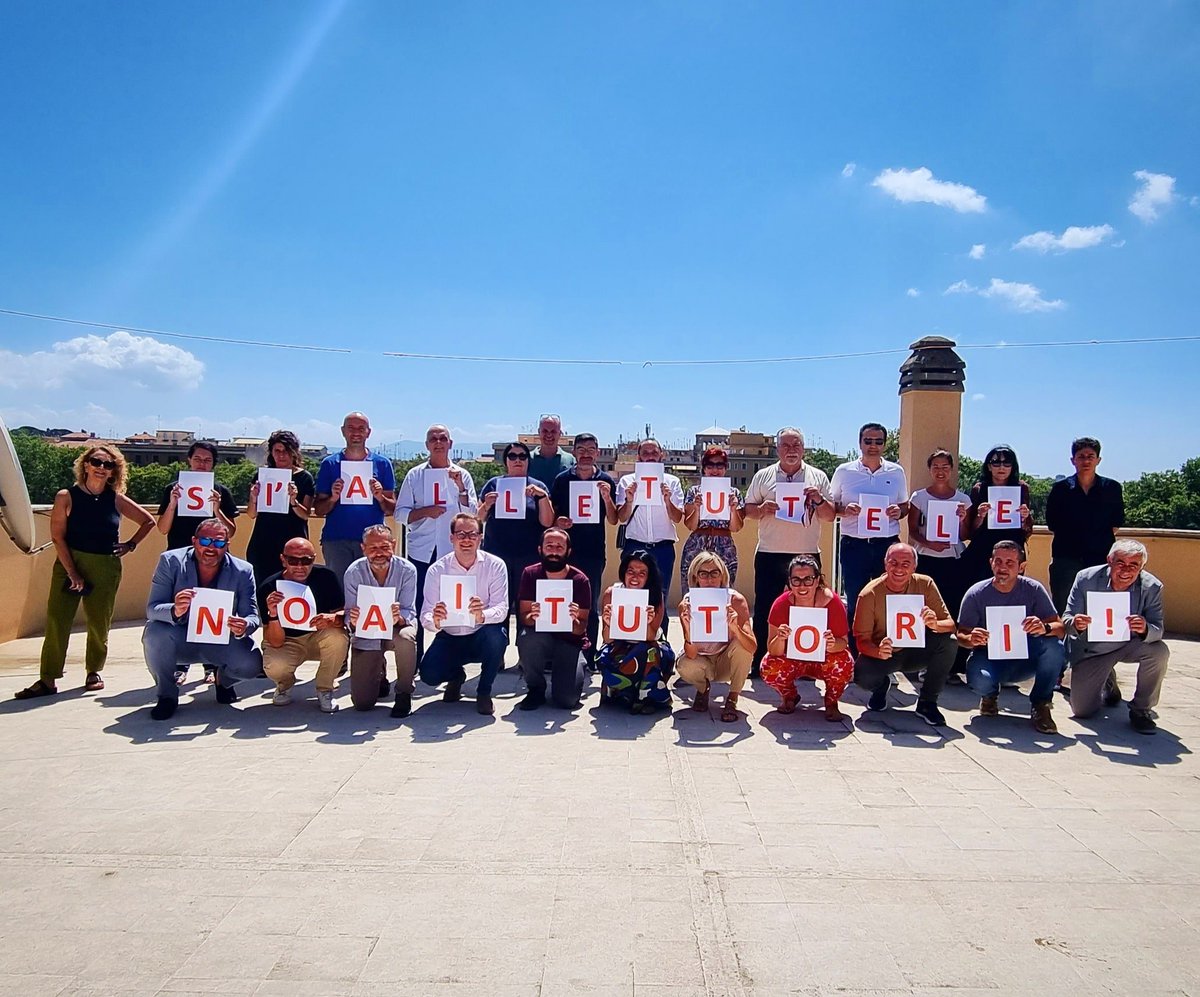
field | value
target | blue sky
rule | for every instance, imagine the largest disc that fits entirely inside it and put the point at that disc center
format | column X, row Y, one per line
column 620, row 181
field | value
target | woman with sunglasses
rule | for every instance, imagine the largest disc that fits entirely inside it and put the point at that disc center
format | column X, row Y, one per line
column 1000, row 468
column 85, row 527
column 706, row 662
column 272, row 531
column 636, row 672
column 715, row 535
column 806, row 587
column 515, row 541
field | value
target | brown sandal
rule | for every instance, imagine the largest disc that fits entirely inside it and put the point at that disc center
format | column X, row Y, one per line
column 94, row 682
column 39, row 688
column 729, row 712
column 700, row 703
column 788, row 705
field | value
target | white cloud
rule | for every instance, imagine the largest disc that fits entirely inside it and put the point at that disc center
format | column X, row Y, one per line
column 126, row 362
column 1022, row 297
column 848, row 169
column 1073, row 237
column 978, row 250
column 978, row 396
column 912, row 292
column 1157, row 191
column 920, row 185
column 638, row 408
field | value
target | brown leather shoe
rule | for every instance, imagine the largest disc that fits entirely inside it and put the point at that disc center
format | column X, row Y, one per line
column 1042, row 719
column 989, row 706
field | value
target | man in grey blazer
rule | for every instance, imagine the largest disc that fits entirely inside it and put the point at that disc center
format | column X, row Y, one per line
column 207, row 563
column 1093, row 674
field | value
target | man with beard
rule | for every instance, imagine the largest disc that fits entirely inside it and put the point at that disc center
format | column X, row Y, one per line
column 560, row 651
column 381, row 567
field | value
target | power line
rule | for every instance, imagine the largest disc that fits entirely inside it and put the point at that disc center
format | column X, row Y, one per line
column 564, row 361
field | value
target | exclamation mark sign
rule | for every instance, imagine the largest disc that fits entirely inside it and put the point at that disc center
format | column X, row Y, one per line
column 1109, row 628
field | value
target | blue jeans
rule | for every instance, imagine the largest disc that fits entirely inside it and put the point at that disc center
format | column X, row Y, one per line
column 446, row 655
column 862, row 560
column 1046, row 661
column 166, row 647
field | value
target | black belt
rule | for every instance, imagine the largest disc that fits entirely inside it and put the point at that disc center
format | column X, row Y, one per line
column 873, row 540
column 629, row 541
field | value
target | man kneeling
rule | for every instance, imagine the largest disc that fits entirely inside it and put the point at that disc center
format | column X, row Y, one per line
column 559, row 650
column 323, row 638
column 1046, row 657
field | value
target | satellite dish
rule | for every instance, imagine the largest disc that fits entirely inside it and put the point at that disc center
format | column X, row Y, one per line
column 16, row 513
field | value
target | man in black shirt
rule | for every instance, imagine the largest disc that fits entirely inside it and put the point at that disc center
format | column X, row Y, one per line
column 589, row 543
column 1084, row 513
column 318, row 636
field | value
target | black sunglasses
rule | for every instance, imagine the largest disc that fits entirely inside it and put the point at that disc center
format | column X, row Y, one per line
column 296, row 562
column 1000, row 462
column 108, row 465
column 873, row 441
column 517, row 456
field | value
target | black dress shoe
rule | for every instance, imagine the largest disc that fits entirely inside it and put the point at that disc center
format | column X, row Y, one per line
column 225, row 694
column 483, row 704
column 1112, row 692
column 403, row 705
column 165, row 708
column 384, row 687
column 453, row 692
column 532, row 701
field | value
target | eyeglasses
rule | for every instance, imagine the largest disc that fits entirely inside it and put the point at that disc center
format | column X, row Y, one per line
column 806, row 582
column 439, row 438
column 517, row 456
column 1000, row 462
column 462, row 535
column 218, row 542
column 297, row 562
column 108, row 465
column 873, row 441
column 709, row 574
column 716, row 467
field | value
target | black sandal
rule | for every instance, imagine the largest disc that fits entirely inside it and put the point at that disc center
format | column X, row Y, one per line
column 38, row 689
column 93, row 682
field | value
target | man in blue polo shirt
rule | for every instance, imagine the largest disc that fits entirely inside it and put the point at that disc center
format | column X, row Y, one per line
column 341, row 539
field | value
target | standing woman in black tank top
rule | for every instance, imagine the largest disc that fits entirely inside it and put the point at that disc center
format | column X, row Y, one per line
column 84, row 527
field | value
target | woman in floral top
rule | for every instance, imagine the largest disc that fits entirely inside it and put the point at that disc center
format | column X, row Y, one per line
column 714, row 535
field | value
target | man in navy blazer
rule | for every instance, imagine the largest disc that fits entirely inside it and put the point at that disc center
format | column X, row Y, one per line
column 206, row 564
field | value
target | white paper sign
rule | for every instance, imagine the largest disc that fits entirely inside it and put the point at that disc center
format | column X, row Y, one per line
column 510, row 498
column 456, row 592
column 435, row 486
column 197, row 487
column 789, row 496
column 585, row 502
column 298, row 607
column 942, row 522
column 630, row 614
column 273, row 489
column 375, row 612
column 905, row 626
column 715, row 500
column 710, row 615
column 1006, row 638
column 356, row 482
column 208, row 616
column 648, row 476
column 1109, row 612
column 872, row 515
column 1003, row 505
column 807, row 639
column 554, row 597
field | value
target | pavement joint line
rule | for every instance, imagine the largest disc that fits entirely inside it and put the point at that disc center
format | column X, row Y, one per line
column 710, row 919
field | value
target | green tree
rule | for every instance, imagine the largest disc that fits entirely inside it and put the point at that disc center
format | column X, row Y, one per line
column 46, row 467
column 1165, row 499
column 147, row 484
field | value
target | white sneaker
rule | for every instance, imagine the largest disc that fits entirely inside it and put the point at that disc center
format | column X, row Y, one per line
column 326, row 703
column 281, row 697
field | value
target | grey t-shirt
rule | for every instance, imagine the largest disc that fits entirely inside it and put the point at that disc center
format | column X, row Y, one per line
column 1030, row 594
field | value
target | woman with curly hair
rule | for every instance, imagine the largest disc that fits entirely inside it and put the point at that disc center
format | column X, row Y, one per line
column 272, row 530
column 84, row 526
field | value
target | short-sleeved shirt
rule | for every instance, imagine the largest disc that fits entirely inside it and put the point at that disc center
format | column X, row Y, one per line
column 588, row 540
column 854, row 479
column 347, row 522
column 839, row 625
column 920, row 500
column 780, row 536
column 549, row 468
column 527, row 591
column 870, row 612
column 326, row 590
column 693, row 495
column 1028, row 593
column 513, row 538
column 183, row 528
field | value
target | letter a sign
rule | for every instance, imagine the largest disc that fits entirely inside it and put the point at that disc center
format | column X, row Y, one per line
column 208, row 616
column 356, row 483
column 374, row 611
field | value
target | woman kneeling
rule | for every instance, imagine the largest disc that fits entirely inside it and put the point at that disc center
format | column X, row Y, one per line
column 635, row 672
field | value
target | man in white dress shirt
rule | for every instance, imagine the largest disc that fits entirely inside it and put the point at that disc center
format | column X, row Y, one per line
column 651, row 527
column 484, row 638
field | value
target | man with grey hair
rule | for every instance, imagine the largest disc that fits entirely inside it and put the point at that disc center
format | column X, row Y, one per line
column 1093, row 662
column 381, row 567
column 549, row 460
column 782, row 536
